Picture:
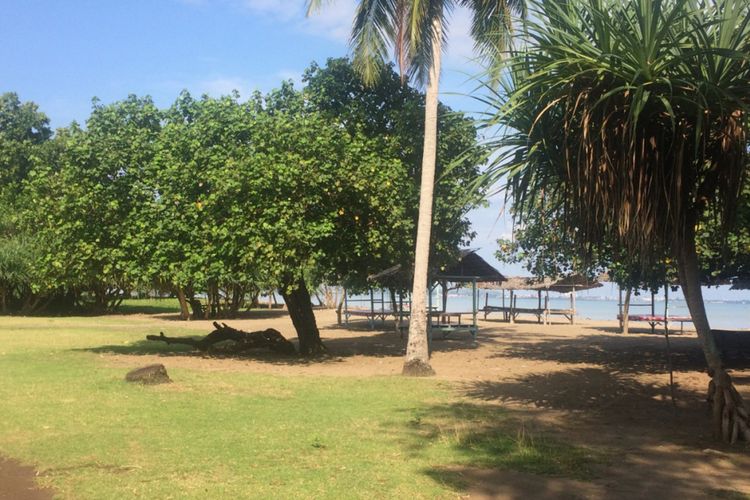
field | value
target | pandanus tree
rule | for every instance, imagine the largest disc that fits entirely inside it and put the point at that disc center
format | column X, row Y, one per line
column 413, row 32
column 632, row 119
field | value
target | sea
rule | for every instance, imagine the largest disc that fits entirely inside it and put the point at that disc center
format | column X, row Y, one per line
column 726, row 309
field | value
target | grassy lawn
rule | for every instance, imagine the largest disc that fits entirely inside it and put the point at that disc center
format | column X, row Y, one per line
column 149, row 306
column 67, row 410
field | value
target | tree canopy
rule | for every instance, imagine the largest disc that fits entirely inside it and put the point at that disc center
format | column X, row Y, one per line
column 218, row 199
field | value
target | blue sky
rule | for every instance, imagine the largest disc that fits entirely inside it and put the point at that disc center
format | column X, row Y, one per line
column 60, row 54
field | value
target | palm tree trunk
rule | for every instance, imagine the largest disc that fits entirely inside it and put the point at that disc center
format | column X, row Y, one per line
column 730, row 415
column 417, row 361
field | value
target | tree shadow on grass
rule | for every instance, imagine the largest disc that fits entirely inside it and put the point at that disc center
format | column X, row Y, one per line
column 622, row 354
column 597, row 396
column 371, row 343
column 598, row 434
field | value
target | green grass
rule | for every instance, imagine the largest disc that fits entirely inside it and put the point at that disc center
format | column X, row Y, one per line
column 224, row 434
column 149, row 306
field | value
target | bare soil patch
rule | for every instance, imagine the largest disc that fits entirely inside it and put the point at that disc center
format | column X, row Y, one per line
column 18, row 482
column 584, row 384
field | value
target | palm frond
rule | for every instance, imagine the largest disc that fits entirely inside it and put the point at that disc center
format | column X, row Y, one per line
column 633, row 116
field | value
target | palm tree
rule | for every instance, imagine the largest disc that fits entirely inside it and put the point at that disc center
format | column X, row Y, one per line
column 416, row 30
column 632, row 118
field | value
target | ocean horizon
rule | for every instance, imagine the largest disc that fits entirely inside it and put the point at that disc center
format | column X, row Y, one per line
column 726, row 309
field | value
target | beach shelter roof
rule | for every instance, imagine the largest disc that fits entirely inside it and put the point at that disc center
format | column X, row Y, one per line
column 741, row 283
column 469, row 266
column 575, row 282
column 572, row 283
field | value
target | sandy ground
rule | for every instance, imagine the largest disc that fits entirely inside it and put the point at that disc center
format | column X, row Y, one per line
column 586, row 384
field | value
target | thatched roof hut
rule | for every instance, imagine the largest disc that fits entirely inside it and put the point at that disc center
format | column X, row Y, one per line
column 572, row 283
column 470, row 266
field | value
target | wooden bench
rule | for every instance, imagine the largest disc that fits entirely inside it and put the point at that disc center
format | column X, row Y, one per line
column 656, row 319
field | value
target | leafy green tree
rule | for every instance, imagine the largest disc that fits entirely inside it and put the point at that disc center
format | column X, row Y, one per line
column 392, row 113
column 23, row 128
column 632, row 119
column 24, row 134
column 80, row 202
column 725, row 253
column 416, row 29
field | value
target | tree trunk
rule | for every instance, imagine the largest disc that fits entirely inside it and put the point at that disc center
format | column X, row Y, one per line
column 339, row 309
column 299, row 305
column 417, row 362
column 184, row 310
column 730, row 415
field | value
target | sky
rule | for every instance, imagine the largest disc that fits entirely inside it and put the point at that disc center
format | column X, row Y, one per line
column 60, row 54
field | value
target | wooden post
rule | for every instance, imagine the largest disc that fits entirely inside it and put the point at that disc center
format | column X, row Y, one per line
column 539, row 305
column 512, row 307
column 474, row 308
column 573, row 306
column 382, row 306
column 653, row 310
column 486, row 303
column 666, row 309
column 346, row 308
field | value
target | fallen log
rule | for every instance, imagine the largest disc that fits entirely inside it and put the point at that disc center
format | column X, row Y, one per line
column 269, row 338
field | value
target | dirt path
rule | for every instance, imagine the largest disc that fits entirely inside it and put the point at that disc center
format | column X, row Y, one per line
column 585, row 384
column 18, row 482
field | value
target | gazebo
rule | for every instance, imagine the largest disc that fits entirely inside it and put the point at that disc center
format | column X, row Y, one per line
column 470, row 268
column 542, row 311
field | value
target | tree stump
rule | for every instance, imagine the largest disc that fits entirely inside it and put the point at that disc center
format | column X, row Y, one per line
column 149, row 375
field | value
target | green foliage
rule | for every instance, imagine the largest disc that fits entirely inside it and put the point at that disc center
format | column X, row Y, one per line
column 228, row 198
column 24, row 136
column 391, row 114
column 725, row 253
column 81, row 202
column 630, row 120
column 23, row 128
